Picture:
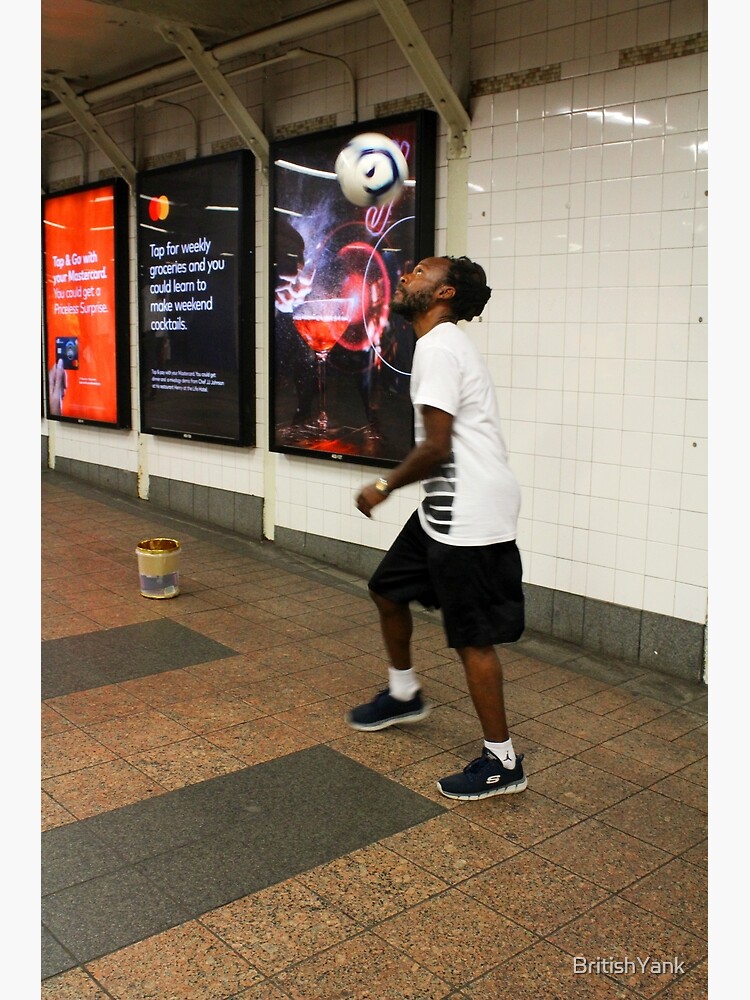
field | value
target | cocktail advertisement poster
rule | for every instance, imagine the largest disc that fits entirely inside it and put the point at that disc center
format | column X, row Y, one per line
column 340, row 363
column 196, row 297
column 85, row 272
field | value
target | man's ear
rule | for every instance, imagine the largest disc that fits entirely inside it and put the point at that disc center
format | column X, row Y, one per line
column 446, row 292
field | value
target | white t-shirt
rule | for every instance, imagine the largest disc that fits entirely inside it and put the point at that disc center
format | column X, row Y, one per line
column 474, row 499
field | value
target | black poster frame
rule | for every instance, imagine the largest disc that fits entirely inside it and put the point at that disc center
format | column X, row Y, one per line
column 309, row 217
column 185, row 392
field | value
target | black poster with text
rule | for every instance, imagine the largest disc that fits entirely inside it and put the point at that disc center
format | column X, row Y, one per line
column 197, row 298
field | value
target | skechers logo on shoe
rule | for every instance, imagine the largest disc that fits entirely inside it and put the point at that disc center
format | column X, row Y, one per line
column 493, row 779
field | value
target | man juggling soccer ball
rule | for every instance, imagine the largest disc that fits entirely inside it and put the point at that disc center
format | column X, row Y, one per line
column 458, row 551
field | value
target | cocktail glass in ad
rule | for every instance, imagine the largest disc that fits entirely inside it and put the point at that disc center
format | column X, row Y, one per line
column 321, row 323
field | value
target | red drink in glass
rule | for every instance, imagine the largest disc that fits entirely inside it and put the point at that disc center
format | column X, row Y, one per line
column 320, row 333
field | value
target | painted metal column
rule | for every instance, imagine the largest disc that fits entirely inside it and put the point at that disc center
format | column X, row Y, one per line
column 412, row 43
column 457, row 216
column 207, row 68
column 263, row 324
column 449, row 106
column 79, row 109
column 294, row 28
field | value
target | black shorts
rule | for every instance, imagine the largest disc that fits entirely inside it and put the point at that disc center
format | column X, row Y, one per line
column 477, row 587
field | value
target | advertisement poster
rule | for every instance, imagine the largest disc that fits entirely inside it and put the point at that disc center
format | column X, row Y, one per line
column 340, row 364
column 85, row 269
column 197, row 298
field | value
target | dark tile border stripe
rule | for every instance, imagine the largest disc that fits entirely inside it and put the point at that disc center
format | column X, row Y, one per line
column 80, row 662
column 119, row 877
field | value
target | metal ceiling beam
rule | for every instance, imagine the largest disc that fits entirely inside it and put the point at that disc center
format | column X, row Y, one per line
column 206, row 66
column 461, row 49
column 80, row 110
column 396, row 15
column 412, row 43
column 316, row 22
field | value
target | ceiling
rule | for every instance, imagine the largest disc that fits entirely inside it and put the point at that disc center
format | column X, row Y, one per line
column 98, row 51
column 92, row 43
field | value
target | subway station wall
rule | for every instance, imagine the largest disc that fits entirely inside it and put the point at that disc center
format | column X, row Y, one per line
column 587, row 205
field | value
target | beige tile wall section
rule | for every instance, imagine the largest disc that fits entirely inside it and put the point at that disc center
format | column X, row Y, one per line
column 637, row 55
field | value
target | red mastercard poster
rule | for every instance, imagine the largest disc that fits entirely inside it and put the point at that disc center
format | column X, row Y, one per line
column 85, row 265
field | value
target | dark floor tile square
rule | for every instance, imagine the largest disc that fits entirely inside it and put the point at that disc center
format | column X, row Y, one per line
column 202, row 846
column 154, row 826
column 331, row 805
column 107, row 913
column 61, row 678
column 146, row 663
column 55, row 958
column 211, row 873
column 71, row 854
column 81, row 662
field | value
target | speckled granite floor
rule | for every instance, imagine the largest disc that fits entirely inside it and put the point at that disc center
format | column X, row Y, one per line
column 212, row 829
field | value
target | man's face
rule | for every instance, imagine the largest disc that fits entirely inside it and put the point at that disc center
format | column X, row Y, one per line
column 415, row 292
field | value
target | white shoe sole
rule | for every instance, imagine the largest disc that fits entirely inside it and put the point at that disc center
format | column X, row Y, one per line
column 372, row 727
column 518, row 786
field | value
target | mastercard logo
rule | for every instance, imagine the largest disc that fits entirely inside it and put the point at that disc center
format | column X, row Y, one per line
column 158, row 208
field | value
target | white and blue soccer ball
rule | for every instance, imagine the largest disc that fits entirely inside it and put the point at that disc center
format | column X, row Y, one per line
column 371, row 169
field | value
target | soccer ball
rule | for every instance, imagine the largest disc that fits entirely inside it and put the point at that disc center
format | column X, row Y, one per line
column 371, row 169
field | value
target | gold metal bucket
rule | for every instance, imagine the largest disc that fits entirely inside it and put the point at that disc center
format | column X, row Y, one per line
column 159, row 567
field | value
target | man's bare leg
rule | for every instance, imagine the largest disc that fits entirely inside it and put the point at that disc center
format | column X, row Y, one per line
column 402, row 700
column 396, row 626
column 498, row 771
column 484, row 675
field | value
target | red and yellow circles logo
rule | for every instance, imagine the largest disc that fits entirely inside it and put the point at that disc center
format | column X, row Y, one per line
column 158, row 208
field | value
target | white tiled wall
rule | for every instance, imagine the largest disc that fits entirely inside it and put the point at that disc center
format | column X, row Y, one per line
column 587, row 205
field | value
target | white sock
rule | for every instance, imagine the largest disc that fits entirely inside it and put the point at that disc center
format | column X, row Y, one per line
column 402, row 684
column 504, row 753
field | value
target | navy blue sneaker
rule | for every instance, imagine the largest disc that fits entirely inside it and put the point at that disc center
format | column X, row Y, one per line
column 384, row 711
column 483, row 777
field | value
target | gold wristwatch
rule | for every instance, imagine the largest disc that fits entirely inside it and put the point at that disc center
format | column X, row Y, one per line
column 381, row 485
